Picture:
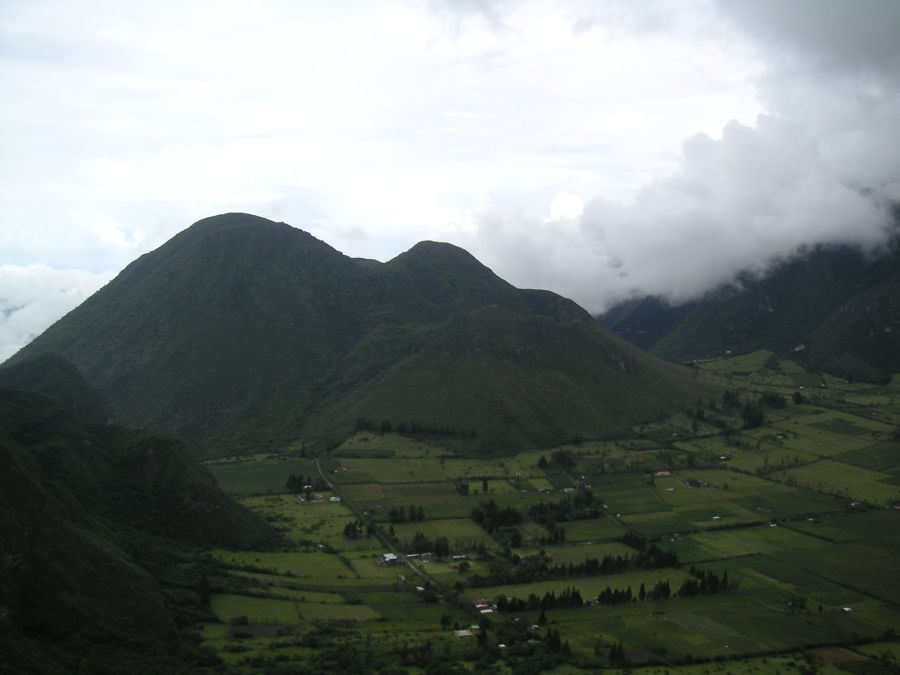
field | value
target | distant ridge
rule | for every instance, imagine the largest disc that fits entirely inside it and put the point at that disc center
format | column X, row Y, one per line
column 830, row 308
column 241, row 334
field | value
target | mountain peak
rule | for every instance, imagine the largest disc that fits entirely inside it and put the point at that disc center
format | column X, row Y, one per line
column 243, row 333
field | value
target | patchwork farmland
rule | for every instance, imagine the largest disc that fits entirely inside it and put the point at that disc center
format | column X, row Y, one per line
column 699, row 543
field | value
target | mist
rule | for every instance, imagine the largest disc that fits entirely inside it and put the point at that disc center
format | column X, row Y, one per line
column 820, row 167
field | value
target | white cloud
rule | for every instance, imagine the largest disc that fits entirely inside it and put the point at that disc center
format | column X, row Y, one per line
column 820, row 167
column 34, row 296
column 375, row 125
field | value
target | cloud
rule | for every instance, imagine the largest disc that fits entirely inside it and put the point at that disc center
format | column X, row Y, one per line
column 34, row 296
column 547, row 137
column 819, row 167
column 828, row 35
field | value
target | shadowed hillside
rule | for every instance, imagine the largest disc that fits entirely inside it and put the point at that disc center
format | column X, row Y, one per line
column 830, row 308
column 96, row 522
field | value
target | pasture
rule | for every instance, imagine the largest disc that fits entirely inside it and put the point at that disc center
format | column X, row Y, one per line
column 259, row 476
column 773, row 506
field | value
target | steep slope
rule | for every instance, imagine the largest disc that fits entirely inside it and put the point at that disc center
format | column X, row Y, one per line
column 82, row 507
column 127, row 478
column 52, row 554
column 56, row 378
column 514, row 380
column 236, row 318
column 241, row 334
column 831, row 308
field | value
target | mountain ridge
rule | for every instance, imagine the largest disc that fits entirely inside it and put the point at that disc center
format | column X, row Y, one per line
column 831, row 308
column 240, row 334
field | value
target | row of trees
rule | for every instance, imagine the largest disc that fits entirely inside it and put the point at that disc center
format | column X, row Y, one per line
column 569, row 597
column 358, row 529
column 512, row 568
column 702, row 581
column 412, row 513
column 422, row 544
column 753, row 410
column 296, row 484
column 386, row 427
column 560, row 458
column 491, row 517
column 580, row 506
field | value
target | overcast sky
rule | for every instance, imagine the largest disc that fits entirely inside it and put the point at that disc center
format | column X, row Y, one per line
column 598, row 149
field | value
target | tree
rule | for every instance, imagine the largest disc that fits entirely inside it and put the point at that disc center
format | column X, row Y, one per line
column 752, row 414
column 441, row 547
column 552, row 641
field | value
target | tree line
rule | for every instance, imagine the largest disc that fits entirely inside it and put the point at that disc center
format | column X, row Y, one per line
column 400, row 514
column 517, row 569
column 702, row 581
column 386, row 427
column 580, row 506
column 296, row 484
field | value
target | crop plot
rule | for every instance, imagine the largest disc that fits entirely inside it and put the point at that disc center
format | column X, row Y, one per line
column 877, row 457
column 237, row 608
column 771, row 507
column 843, row 479
column 259, row 476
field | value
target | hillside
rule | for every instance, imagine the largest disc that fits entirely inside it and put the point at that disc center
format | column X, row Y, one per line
column 241, row 334
column 96, row 525
column 56, row 378
column 831, row 308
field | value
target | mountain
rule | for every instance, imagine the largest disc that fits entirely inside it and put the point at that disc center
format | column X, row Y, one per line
column 97, row 525
column 56, row 378
column 241, row 334
column 832, row 308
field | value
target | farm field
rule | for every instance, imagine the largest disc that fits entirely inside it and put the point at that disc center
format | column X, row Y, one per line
column 770, row 548
column 264, row 475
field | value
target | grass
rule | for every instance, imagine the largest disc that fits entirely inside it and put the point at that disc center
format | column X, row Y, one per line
column 387, row 445
column 843, row 479
column 295, row 564
column 259, row 476
column 563, row 555
column 842, row 557
column 877, row 457
column 228, row 608
column 745, row 541
column 597, row 529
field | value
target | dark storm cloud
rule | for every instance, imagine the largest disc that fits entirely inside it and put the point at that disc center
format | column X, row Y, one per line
column 835, row 35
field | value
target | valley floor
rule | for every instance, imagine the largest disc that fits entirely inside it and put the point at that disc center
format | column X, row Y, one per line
column 713, row 541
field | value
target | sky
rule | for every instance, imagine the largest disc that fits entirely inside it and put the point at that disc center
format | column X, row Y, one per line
column 602, row 149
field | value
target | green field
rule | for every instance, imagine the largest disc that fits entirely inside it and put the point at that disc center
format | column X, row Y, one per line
column 847, row 480
column 792, row 512
column 257, row 477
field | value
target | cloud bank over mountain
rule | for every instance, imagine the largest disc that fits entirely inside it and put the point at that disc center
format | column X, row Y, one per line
column 599, row 149
column 819, row 167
